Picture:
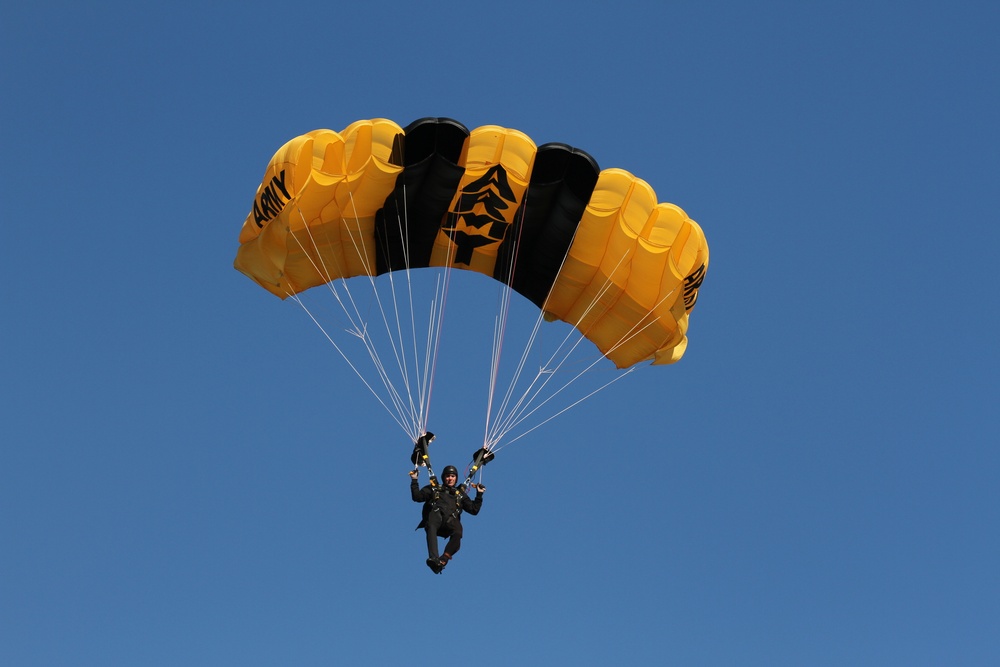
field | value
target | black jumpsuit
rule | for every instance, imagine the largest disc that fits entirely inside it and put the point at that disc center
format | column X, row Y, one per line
column 442, row 516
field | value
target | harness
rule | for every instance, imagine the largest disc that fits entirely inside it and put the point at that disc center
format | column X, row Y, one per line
column 421, row 458
column 458, row 492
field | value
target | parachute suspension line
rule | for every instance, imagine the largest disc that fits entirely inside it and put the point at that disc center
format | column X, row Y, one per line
column 359, row 331
column 521, row 413
column 324, row 271
column 634, row 331
column 438, row 323
column 499, row 330
column 404, row 233
column 517, row 414
column 328, row 277
column 503, row 417
column 422, row 372
column 515, row 379
column 397, row 417
column 380, row 369
column 433, row 333
column 431, row 338
column 395, row 339
column 419, row 410
column 568, row 407
column 507, row 421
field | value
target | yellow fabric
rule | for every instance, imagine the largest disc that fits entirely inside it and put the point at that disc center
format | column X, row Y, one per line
column 313, row 216
column 623, row 282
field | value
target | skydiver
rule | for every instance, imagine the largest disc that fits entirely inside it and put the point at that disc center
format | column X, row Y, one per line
column 442, row 514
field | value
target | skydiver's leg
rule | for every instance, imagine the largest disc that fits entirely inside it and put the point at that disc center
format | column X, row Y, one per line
column 455, row 543
column 433, row 524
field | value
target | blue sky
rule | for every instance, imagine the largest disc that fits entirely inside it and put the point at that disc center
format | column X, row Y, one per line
column 189, row 474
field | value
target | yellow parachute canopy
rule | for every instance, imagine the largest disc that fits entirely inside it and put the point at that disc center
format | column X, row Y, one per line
column 592, row 248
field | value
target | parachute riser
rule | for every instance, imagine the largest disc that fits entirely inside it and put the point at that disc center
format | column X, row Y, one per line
column 430, row 471
column 421, row 457
column 480, row 458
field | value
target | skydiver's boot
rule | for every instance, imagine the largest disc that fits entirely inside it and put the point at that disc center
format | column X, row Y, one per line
column 444, row 559
column 436, row 565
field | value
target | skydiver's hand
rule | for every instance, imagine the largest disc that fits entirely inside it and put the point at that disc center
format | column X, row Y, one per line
column 480, row 488
column 413, row 474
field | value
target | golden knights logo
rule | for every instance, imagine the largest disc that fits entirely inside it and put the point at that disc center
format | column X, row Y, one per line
column 480, row 214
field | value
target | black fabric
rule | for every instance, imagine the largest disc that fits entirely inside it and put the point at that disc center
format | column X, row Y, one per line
column 529, row 258
column 410, row 219
column 437, row 527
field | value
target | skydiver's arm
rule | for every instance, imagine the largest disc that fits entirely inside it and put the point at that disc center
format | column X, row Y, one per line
column 473, row 506
column 420, row 495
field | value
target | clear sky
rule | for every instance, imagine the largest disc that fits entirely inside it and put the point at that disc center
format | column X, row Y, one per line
column 190, row 475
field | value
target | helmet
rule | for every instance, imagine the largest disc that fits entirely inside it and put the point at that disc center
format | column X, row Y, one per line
column 449, row 470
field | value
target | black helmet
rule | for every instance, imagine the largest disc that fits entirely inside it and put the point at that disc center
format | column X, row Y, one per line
column 449, row 470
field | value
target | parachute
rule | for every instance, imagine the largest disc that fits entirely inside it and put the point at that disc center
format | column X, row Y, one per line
column 590, row 247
